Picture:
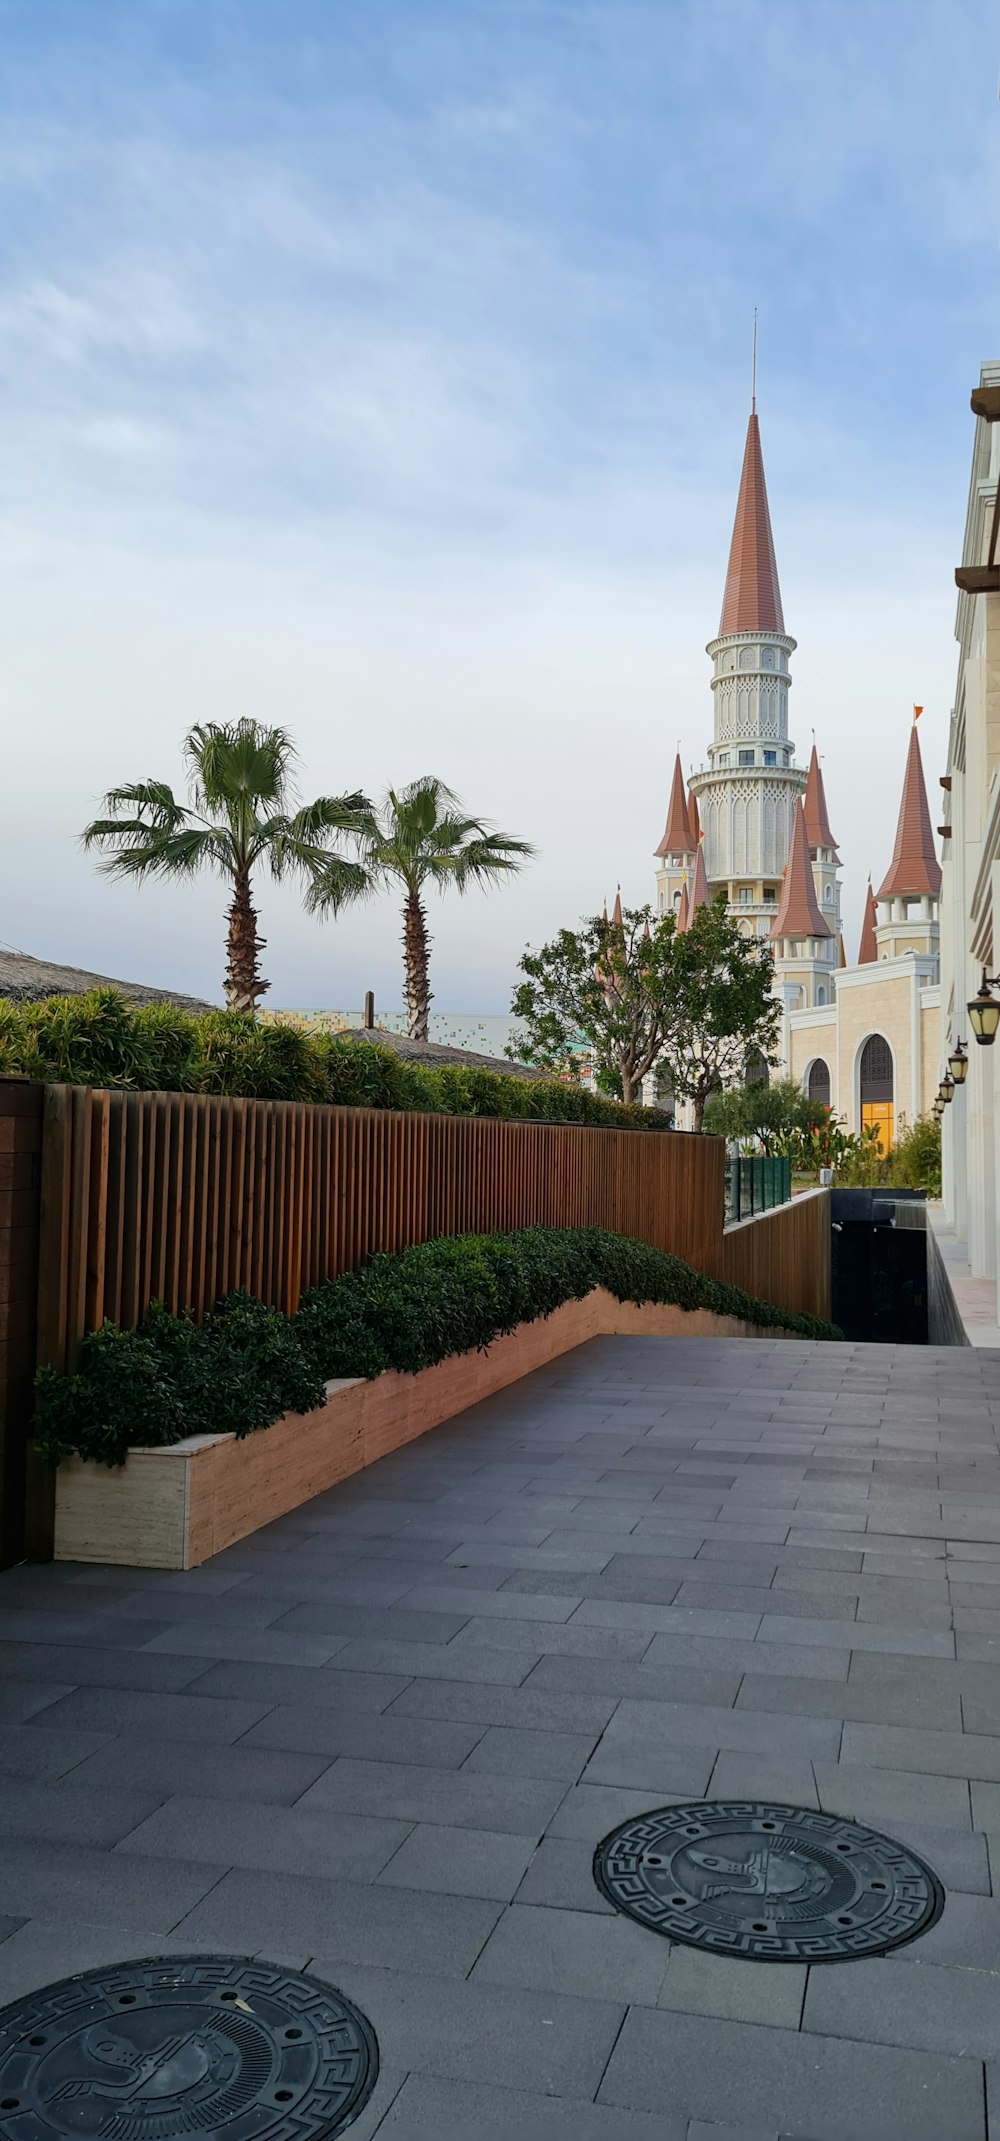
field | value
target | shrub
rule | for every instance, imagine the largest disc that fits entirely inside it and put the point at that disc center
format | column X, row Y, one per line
column 407, row 1310
column 100, row 1039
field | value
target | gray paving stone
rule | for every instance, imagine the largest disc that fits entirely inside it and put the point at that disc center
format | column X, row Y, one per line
column 641, row 1737
column 72, row 1666
column 259, row 1646
column 711, row 1654
column 45, row 1879
column 736, row 1991
column 353, row 1923
column 43, row 1950
column 553, row 1638
column 459, row 1862
column 527, row 1707
column 504, row 1751
column 320, row 1687
column 472, row 2032
column 438, row 1661
column 966, row 1936
column 748, row 1775
column 30, row 1751
column 825, row 2088
column 21, row 1699
column 455, row 2111
column 162, row 1717
column 872, row 1635
column 944, row 1754
column 165, row 1766
column 906, row 2003
column 664, row 1620
column 64, row 1813
column 590, row 1811
column 515, row 1806
column 278, row 1839
column 561, row 1877
column 299, row 1728
column 575, row 1952
column 382, row 1625
column 885, row 1702
column 643, row 1683
column 886, row 1795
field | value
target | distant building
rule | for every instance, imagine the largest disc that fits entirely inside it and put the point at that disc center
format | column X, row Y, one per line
column 753, row 823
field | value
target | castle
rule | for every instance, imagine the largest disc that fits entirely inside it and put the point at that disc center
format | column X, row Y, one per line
column 752, row 822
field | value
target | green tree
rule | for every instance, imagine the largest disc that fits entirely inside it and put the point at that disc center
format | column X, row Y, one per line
column 421, row 836
column 240, row 816
column 776, row 1116
column 725, row 1013
column 607, row 985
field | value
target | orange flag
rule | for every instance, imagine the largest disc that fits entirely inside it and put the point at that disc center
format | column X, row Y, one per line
column 917, row 711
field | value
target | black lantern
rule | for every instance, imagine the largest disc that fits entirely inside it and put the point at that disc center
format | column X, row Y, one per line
column 958, row 1063
column 984, row 1012
column 946, row 1089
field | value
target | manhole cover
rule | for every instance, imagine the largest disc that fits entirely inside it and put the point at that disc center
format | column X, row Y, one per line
column 182, row 2046
column 776, row 1884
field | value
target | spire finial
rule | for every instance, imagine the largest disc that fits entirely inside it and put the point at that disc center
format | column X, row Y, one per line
column 753, row 372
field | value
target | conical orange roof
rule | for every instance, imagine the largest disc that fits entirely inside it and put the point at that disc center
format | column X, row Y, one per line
column 818, row 831
column 914, row 867
column 698, row 888
column 868, row 950
column 798, row 913
column 616, row 917
column 677, row 838
column 752, row 601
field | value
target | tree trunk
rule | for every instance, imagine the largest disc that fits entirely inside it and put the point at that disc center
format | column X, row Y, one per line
column 416, row 950
column 243, row 981
column 629, row 1085
column 698, row 1105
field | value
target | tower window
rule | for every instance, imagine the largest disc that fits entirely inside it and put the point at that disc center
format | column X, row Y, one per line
column 770, row 758
column 746, row 758
column 745, row 895
column 723, row 758
column 770, row 895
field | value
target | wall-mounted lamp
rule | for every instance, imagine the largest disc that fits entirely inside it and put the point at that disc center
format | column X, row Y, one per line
column 946, row 1089
column 937, row 1109
column 958, row 1063
column 984, row 1011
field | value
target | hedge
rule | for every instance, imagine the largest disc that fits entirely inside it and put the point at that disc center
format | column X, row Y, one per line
column 101, row 1039
column 248, row 1364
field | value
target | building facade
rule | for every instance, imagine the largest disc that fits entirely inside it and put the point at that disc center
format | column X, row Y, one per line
column 753, row 823
column 970, row 903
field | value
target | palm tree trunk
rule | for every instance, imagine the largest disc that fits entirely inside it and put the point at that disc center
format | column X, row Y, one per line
column 416, row 953
column 243, row 980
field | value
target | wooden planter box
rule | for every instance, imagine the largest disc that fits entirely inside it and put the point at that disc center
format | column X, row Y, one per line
column 174, row 1508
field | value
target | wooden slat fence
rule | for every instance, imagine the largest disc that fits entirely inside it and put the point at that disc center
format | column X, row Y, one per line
column 180, row 1198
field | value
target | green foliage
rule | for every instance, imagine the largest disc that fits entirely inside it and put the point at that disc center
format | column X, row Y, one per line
column 725, row 1013
column 99, row 1039
column 915, row 1159
column 153, row 1386
column 610, row 984
column 776, row 1117
column 405, row 1310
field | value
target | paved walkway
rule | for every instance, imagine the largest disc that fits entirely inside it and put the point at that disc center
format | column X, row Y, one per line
column 382, row 1739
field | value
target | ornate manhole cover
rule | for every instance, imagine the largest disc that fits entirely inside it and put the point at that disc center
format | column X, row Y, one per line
column 775, row 1884
column 182, row 2046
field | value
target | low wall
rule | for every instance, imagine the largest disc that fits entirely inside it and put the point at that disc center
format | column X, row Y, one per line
column 782, row 1256
column 176, row 1507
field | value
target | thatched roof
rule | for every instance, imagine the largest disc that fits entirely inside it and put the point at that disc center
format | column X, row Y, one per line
column 27, row 981
column 435, row 1052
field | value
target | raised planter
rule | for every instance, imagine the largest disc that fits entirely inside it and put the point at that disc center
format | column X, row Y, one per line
column 174, row 1508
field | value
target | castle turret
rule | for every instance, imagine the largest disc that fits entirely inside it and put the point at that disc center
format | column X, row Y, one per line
column 746, row 796
column 908, row 895
column 676, row 852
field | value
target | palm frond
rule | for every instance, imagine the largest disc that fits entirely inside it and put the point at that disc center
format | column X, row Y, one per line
column 235, row 765
column 333, row 883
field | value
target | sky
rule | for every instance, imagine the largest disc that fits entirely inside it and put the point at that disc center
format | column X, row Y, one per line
column 381, row 368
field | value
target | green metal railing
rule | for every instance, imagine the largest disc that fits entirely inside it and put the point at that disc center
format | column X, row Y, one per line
column 756, row 1185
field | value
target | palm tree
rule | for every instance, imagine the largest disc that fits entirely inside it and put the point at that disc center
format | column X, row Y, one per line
column 421, row 836
column 241, row 814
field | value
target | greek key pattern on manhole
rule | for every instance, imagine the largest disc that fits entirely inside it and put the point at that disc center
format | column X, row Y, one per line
column 183, row 2046
column 774, row 1884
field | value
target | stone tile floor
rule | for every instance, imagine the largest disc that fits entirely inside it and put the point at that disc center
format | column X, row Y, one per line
column 381, row 1739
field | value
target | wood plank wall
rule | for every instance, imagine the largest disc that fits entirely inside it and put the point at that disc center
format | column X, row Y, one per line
column 784, row 1255
column 180, row 1198
column 20, row 1157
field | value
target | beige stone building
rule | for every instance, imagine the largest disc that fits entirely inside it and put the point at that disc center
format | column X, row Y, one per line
column 864, row 1038
column 970, row 902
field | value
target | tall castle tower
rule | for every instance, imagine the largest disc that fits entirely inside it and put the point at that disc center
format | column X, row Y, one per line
column 747, row 797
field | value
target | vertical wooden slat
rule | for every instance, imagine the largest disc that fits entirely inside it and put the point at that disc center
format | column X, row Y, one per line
column 81, row 1106
column 97, row 1211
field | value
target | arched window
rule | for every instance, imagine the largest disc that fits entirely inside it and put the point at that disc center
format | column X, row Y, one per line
column 876, row 1089
column 756, row 1070
column 818, row 1085
column 821, row 995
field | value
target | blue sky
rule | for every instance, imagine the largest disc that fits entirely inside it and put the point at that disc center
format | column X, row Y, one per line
column 383, row 369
